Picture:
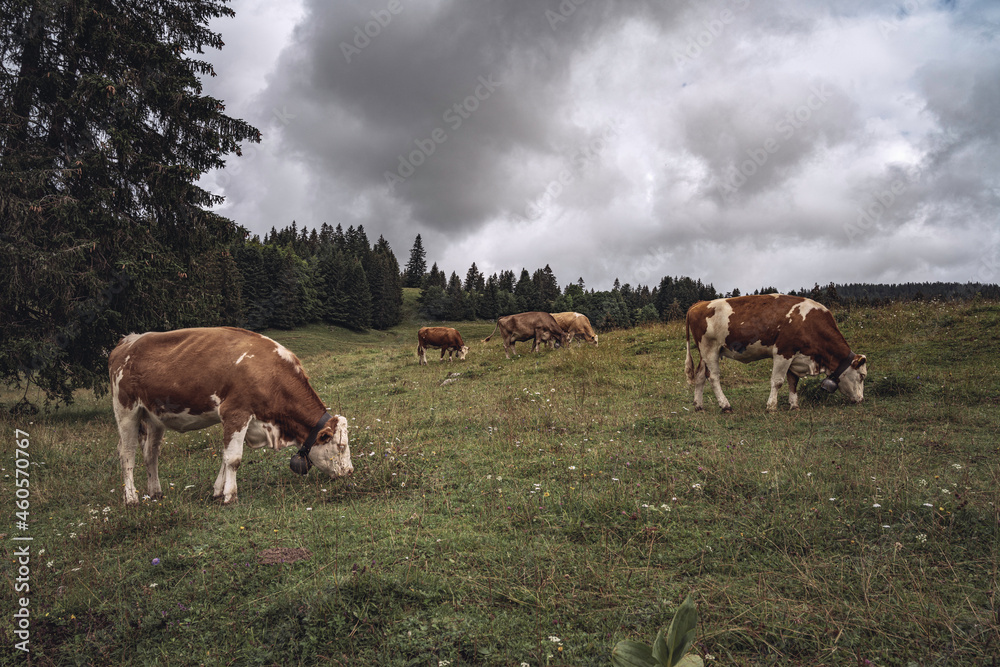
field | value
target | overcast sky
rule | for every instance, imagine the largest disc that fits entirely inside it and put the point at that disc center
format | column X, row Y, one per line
column 745, row 143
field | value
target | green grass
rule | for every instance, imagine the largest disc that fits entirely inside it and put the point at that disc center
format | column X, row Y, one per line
column 570, row 494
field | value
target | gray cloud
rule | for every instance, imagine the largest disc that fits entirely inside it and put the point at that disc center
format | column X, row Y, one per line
column 742, row 143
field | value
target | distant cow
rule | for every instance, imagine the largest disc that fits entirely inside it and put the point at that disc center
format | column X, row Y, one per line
column 576, row 324
column 193, row 378
column 799, row 334
column 527, row 326
column 446, row 338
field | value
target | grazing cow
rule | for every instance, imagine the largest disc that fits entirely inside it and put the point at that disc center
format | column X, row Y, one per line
column 576, row 323
column 446, row 338
column 799, row 334
column 526, row 326
column 193, row 378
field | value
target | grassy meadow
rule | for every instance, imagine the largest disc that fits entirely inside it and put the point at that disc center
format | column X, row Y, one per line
column 538, row 510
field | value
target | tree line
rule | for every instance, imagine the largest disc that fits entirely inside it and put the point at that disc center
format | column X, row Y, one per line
column 623, row 306
column 293, row 277
column 865, row 294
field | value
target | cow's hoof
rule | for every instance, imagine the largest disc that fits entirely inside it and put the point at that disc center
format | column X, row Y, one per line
column 794, row 408
column 699, row 408
column 728, row 410
column 156, row 496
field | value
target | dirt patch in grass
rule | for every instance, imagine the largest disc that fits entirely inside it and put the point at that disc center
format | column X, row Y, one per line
column 283, row 555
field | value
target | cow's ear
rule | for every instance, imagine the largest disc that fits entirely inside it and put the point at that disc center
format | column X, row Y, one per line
column 859, row 360
column 324, row 437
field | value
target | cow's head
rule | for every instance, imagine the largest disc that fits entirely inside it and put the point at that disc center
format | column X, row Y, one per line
column 849, row 379
column 464, row 350
column 331, row 452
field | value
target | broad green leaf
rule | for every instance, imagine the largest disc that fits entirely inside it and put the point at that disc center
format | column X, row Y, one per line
column 632, row 654
column 661, row 652
column 691, row 661
column 680, row 636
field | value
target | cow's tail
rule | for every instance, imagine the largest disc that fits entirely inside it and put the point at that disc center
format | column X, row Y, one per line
column 487, row 339
column 689, row 368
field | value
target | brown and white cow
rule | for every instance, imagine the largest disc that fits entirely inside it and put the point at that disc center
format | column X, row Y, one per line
column 446, row 338
column 576, row 324
column 799, row 334
column 527, row 326
column 193, row 378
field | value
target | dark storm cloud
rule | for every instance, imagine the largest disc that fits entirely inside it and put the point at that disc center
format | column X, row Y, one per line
column 635, row 139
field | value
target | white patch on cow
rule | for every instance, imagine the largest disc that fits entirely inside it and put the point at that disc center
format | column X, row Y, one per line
column 216, row 401
column 753, row 352
column 285, row 354
column 185, row 421
column 131, row 338
column 718, row 324
column 804, row 307
column 334, row 457
column 265, row 434
column 232, row 455
column 242, row 356
column 804, row 366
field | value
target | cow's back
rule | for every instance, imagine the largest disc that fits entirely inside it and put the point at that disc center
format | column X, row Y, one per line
column 197, row 368
column 790, row 323
column 439, row 337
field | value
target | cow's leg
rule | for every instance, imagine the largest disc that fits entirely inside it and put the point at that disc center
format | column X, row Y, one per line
column 129, row 427
column 421, row 355
column 508, row 347
column 793, row 390
column 443, row 350
column 778, row 373
column 698, row 378
column 233, row 433
column 714, row 377
column 151, row 454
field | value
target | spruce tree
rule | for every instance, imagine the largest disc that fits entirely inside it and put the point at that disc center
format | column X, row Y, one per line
column 104, row 133
column 357, row 313
column 546, row 286
column 474, row 281
column 458, row 305
column 526, row 293
column 417, row 266
column 385, row 286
